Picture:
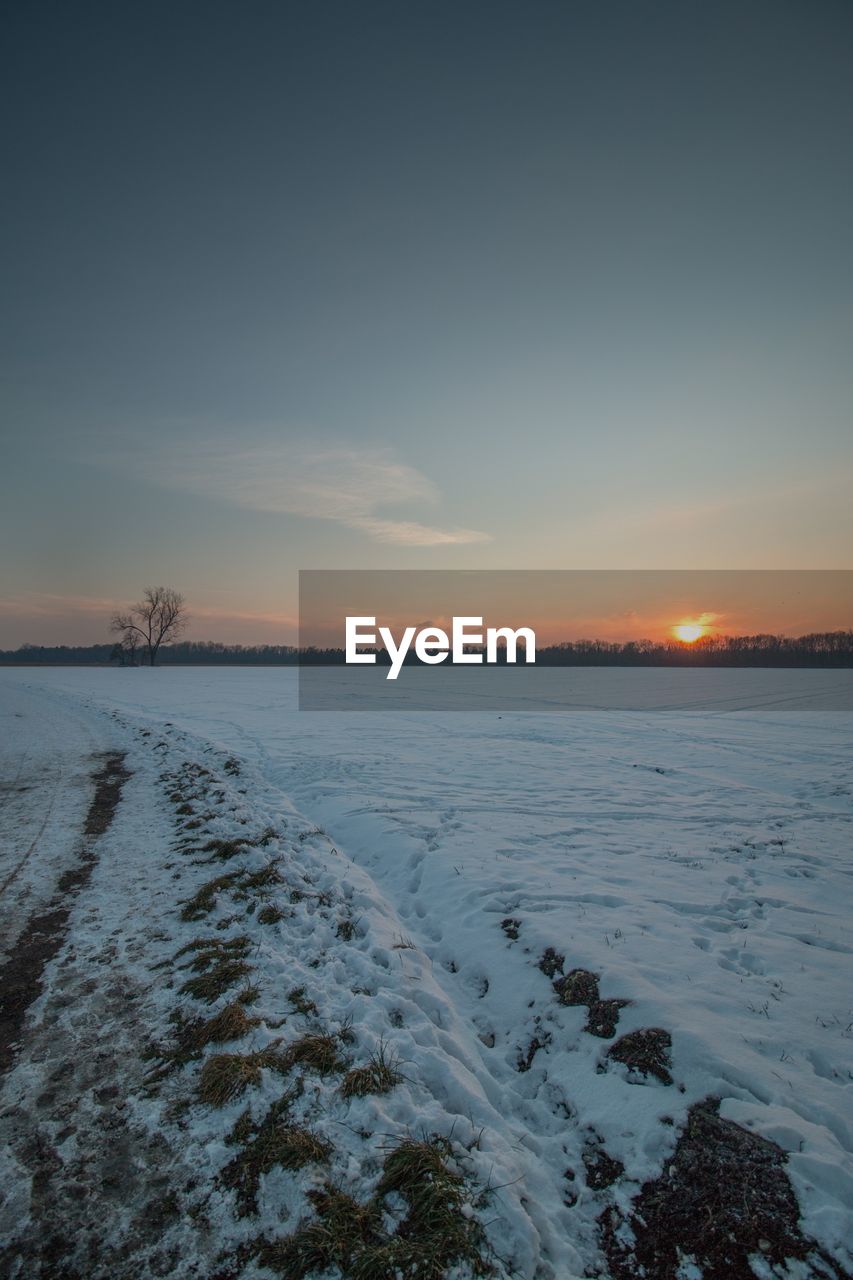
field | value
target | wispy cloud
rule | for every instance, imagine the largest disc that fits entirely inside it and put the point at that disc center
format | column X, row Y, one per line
column 352, row 488
column 408, row 533
column 50, row 604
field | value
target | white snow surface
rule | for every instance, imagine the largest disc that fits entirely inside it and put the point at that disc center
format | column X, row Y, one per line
column 699, row 862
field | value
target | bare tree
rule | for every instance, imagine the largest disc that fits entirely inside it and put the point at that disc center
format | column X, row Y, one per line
column 130, row 643
column 159, row 616
column 124, row 650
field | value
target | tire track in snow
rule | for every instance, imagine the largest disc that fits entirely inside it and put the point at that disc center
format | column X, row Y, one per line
column 44, row 933
column 16, row 870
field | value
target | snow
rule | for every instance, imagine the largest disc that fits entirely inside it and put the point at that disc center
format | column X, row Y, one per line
column 697, row 860
column 44, row 773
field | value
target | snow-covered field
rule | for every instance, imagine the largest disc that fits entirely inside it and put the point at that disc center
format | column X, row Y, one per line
column 698, row 862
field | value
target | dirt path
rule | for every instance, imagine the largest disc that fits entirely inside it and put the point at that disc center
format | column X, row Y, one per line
column 45, row 931
column 49, row 751
column 87, row 1177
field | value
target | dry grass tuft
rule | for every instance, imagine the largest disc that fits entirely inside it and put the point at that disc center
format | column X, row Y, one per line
column 317, row 1052
column 252, row 881
column 341, row 1235
column 276, row 1142
column 216, row 981
column 243, row 884
column 416, row 1162
column 437, row 1231
column 270, row 914
column 300, row 1001
column 380, row 1075
column 207, row 952
column 222, row 850
column 225, row 1076
column 437, row 1235
column 204, row 900
column 231, row 1023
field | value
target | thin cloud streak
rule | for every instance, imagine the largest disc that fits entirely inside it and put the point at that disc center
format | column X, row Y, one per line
column 407, row 533
column 41, row 604
column 349, row 487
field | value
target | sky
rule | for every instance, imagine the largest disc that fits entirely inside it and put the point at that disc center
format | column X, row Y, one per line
column 425, row 285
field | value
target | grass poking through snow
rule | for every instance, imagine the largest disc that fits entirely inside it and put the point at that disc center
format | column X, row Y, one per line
column 225, row 1076
column 317, row 1052
column 217, row 980
column 420, row 1223
column 380, row 1075
column 243, row 884
column 269, row 914
column 300, row 1001
column 204, row 900
column 437, row 1232
column 274, row 1143
column 194, row 1035
column 207, row 952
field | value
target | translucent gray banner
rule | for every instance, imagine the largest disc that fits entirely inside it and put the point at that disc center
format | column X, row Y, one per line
column 574, row 640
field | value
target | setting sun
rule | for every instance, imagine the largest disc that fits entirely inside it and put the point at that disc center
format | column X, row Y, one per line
column 688, row 632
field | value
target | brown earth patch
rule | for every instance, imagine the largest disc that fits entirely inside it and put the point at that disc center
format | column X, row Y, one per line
column 722, row 1197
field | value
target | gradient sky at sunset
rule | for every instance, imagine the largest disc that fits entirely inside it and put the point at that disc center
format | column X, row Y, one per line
column 421, row 285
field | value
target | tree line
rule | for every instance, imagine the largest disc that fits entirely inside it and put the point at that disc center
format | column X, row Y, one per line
column 818, row 649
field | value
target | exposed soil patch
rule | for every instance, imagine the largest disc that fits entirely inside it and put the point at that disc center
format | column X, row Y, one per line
column 601, row 1169
column 109, row 781
column 647, row 1052
column 552, row 963
column 579, row 986
column 722, row 1197
column 526, row 1056
column 603, row 1017
column 21, row 975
